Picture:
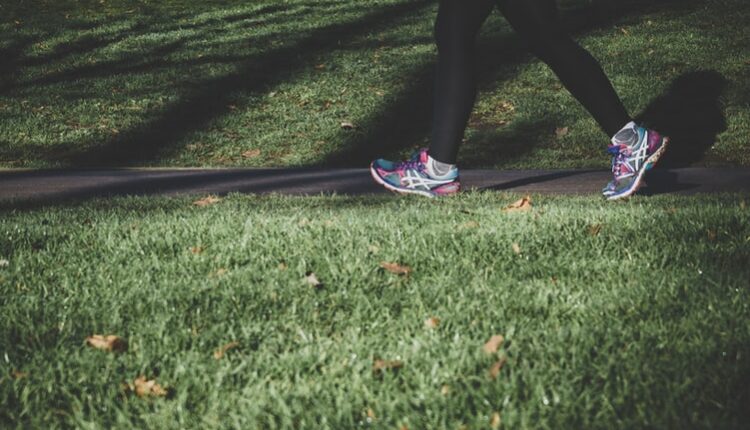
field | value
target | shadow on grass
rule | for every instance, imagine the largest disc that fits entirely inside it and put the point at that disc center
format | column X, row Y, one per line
column 690, row 113
column 210, row 99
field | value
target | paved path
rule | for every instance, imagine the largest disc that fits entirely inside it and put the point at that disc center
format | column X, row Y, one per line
column 47, row 186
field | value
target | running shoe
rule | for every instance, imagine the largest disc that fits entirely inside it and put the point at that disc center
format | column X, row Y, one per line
column 631, row 162
column 411, row 177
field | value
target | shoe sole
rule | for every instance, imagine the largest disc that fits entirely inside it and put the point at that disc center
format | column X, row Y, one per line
column 397, row 190
column 650, row 163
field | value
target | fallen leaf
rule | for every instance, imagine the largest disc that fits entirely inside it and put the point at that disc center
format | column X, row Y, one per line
column 282, row 266
column 497, row 367
column 381, row 366
column 109, row 343
column 743, row 205
column 516, row 248
column 711, row 234
column 506, row 106
column 432, row 322
column 346, row 125
column 495, row 421
column 624, row 31
column 670, row 210
column 373, row 249
column 470, row 224
column 595, row 229
column 371, row 414
column 522, row 205
column 561, row 132
column 445, row 390
column 311, row 279
column 207, row 201
column 144, row 388
column 396, row 268
column 320, row 67
column 17, row 374
column 196, row 249
column 493, row 344
column 252, row 153
column 219, row 353
column 221, row 272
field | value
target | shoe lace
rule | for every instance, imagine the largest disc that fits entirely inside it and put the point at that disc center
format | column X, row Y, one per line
column 412, row 165
column 619, row 158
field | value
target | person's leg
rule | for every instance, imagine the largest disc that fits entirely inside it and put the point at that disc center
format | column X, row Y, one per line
column 432, row 172
column 634, row 149
column 456, row 28
column 538, row 24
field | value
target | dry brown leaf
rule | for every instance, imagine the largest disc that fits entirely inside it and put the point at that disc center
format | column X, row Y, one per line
column 493, row 344
column 670, row 210
column 221, row 272
column 595, row 229
column 495, row 421
column 395, row 268
column 145, row 388
column 432, row 322
column 312, row 280
column 347, row 125
column 109, row 343
column 282, row 266
column 522, row 205
column 516, row 248
column 371, row 414
column 381, row 366
column 219, row 353
column 17, row 374
column 196, row 249
column 320, row 67
column 373, row 249
column 561, row 132
column 445, row 390
column 207, row 201
column 711, row 234
column 470, row 224
column 251, row 153
column 497, row 367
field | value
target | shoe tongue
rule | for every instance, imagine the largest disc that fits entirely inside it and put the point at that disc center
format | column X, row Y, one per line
column 423, row 156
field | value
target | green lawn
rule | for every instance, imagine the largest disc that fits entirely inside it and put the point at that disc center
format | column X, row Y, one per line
column 632, row 315
column 269, row 83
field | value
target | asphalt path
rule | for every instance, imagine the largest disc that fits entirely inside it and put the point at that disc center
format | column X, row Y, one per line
column 53, row 186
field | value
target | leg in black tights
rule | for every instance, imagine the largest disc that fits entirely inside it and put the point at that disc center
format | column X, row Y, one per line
column 536, row 21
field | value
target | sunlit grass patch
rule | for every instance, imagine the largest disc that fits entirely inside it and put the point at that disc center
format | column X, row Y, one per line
column 339, row 312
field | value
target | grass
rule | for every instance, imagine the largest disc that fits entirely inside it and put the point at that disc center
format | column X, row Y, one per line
column 630, row 315
column 219, row 83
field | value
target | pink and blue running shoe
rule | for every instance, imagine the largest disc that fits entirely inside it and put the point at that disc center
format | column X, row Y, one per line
column 411, row 177
column 631, row 162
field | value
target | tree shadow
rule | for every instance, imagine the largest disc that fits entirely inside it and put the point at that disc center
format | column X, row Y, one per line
column 210, row 99
column 691, row 114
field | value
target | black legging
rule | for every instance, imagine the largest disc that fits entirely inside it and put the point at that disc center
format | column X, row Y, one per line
column 537, row 22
